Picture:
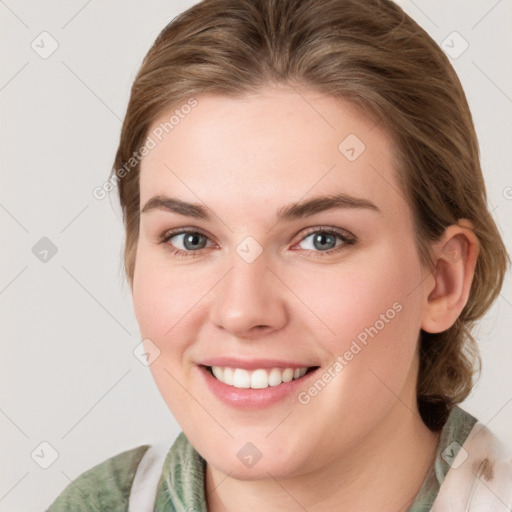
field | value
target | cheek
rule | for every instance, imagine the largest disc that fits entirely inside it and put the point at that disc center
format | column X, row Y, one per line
column 163, row 299
column 170, row 307
column 162, row 294
column 372, row 309
column 151, row 301
column 376, row 291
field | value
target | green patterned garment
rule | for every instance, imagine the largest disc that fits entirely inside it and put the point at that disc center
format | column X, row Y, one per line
column 106, row 487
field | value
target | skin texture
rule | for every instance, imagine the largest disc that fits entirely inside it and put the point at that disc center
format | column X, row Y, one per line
column 360, row 441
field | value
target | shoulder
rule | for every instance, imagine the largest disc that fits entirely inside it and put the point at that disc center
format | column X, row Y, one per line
column 183, row 478
column 480, row 473
column 105, row 486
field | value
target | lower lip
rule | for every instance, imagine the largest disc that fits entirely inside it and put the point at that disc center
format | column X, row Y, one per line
column 248, row 398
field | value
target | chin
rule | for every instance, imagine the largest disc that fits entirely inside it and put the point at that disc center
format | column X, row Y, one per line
column 251, row 463
column 263, row 470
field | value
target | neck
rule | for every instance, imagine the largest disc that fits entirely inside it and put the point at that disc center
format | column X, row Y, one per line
column 384, row 472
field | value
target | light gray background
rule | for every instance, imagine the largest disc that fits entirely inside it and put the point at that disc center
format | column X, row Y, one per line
column 68, row 374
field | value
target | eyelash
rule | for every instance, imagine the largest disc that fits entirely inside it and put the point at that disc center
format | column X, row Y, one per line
column 346, row 237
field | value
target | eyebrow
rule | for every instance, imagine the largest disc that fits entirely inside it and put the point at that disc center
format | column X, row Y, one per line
column 289, row 212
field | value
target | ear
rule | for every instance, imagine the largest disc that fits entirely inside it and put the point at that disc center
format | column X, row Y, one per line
column 455, row 260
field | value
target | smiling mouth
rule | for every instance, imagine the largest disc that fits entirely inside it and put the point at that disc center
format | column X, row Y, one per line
column 259, row 378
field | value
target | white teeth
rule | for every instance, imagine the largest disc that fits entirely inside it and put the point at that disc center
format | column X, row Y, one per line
column 274, row 377
column 287, row 375
column 256, row 379
column 228, row 376
column 241, row 379
column 217, row 371
column 259, row 379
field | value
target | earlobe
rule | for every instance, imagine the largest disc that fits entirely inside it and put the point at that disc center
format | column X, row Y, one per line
column 455, row 260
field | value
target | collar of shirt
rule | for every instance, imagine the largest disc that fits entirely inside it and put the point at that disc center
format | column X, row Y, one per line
column 182, row 484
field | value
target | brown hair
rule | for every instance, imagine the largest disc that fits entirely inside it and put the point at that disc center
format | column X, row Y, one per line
column 368, row 52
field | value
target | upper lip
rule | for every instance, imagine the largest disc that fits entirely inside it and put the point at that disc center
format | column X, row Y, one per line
column 252, row 364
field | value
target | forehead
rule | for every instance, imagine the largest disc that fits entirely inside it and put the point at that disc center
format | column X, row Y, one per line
column 266, row 148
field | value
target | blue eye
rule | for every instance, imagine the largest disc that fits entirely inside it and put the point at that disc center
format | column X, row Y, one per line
column 324, row 241
column 191, row 241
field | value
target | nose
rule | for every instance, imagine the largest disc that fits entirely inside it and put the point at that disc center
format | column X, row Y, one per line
column 250, row 300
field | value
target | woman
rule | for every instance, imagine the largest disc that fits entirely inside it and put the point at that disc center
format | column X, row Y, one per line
column 308, row 245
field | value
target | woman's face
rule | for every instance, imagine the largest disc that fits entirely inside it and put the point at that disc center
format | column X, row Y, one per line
column 271, row 276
